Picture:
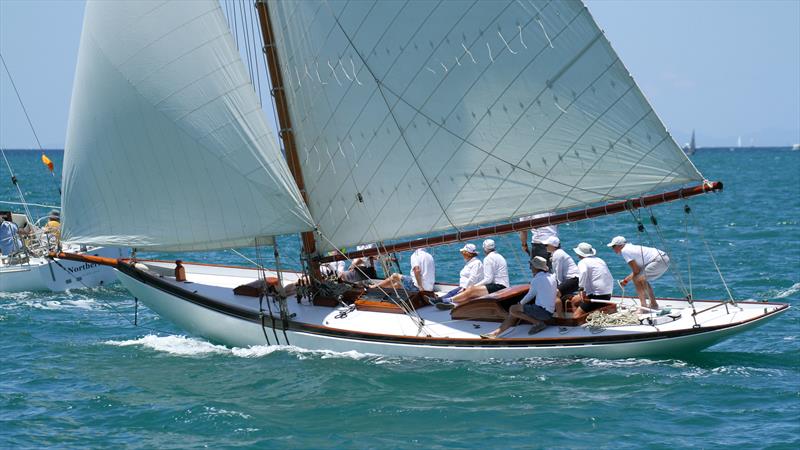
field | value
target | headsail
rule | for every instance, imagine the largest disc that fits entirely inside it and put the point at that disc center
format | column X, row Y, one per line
column 167, row 146
column 413, row 117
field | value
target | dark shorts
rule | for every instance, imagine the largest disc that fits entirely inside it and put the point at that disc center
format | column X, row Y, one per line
column 591, row 306
column 536, row 311
column 568, row 287
column 494, row 287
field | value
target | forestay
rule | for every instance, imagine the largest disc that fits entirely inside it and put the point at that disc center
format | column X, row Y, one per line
column 167, row 146
column 418, row 116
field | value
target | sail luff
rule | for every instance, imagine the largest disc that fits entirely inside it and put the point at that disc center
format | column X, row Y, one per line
column 572, row 216
column 282, row 109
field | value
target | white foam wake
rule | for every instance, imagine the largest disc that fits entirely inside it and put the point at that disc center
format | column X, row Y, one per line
column 188, row 346
column 794, row 289
column 50, row 301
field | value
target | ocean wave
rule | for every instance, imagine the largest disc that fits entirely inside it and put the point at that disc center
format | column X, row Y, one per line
column 53, row 301
column 212, row 411
column 188, row 346
column 742, row 371
column 794, row 289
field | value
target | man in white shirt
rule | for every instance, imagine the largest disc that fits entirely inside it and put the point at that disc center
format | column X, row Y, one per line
column 538, row 238
column 594, row 281
column 333, row 269
column 470, row 274
column 423, row 273
column 495, row 277
column 647, row 264
column 564, row 268
column 537, row 306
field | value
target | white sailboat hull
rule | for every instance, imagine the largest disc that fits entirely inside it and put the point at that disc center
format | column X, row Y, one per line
column 317, row 328
column 45, row 274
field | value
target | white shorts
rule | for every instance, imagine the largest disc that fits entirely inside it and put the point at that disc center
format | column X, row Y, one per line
column 656, row 268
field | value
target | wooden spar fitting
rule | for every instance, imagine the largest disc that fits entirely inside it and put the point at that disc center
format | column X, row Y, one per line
column 572, row 216
column 285, row 122
column 101, row 260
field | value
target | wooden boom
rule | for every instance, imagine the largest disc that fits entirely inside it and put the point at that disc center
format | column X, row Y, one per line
column 103, row 261
column 572, row 216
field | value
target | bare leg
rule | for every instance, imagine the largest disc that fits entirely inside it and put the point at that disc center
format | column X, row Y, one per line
column 653, row 302
column 394, row 281
column 641, row 288
column 517, row 311
column 510, row 320
column 469, row 293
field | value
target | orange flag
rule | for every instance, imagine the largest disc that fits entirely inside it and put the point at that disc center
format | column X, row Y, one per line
column 46, row 161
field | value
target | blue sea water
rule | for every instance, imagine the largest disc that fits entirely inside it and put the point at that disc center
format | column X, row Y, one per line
column 75, row 372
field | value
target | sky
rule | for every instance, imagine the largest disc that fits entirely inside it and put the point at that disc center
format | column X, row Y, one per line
column 727, row 69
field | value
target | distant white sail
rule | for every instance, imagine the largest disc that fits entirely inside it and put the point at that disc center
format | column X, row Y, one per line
column 167, row 146
column 413, row 117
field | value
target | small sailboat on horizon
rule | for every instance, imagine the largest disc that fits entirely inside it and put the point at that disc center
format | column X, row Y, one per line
column 397, row 121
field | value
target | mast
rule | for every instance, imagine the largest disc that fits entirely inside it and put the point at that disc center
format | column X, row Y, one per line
column 282, row 108
column 572, row 216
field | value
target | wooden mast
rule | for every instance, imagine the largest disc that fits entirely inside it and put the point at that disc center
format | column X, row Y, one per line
column 284, row 121
column 572, row 216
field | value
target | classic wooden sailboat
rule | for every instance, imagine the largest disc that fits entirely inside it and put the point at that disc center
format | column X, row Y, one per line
column 444, row 119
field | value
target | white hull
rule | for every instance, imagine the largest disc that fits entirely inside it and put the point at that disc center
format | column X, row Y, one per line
column 233, row 320
column 42, row 274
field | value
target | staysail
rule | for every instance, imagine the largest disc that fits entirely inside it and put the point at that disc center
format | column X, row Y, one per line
column 167, row 146
column 415, row 117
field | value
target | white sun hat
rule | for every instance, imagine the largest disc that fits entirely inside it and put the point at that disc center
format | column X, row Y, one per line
column 553, row 240
column 488, row 245
column 539, row 263
column 618, row 240
column 470, row 248
column 585, row 249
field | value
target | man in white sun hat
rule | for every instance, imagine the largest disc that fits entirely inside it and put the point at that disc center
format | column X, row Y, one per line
column 495, row 277
column 470, row 274
column 595, row 281
column 537, row 306
column 647, row 264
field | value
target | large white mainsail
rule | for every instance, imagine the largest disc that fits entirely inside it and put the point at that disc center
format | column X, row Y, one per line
column 167, row 146
column 418, row 116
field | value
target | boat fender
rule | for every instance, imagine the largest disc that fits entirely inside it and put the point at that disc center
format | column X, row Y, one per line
column 140, row 266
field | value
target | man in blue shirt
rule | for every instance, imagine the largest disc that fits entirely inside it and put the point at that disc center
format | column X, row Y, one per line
column 9, row 242
column 538, row 305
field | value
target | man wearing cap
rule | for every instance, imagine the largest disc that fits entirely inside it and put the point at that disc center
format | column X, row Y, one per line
column 495, row 277
column 647, row 264
column 53, row 226
column 538, row 305
column 594, row 281
column 470, row 274
column 538, row 238
column 423, row 274
column 564, row 268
